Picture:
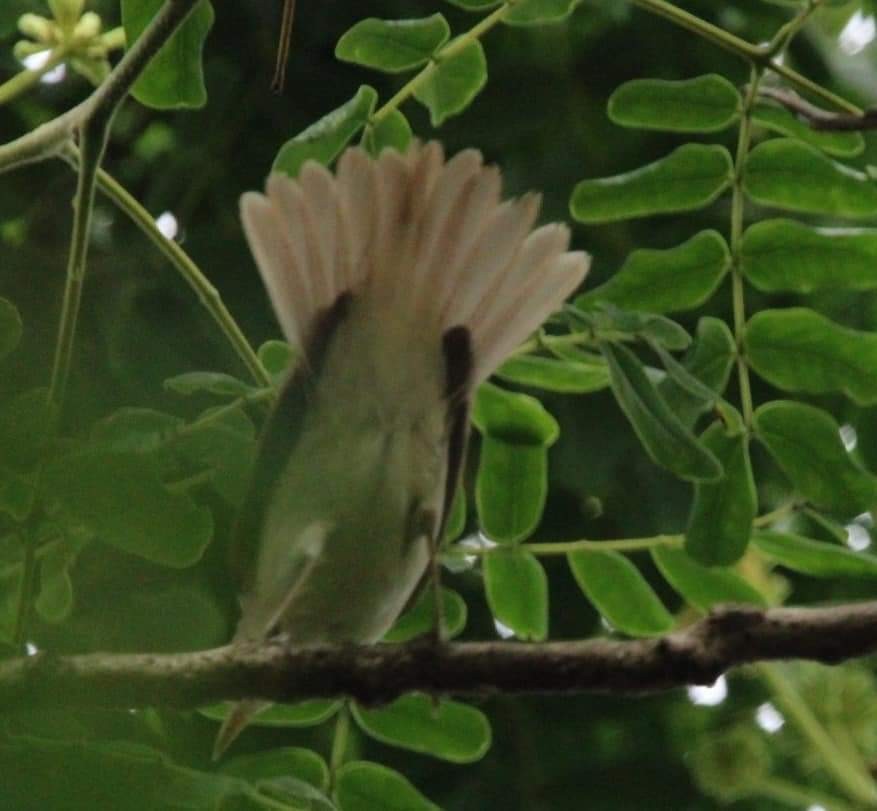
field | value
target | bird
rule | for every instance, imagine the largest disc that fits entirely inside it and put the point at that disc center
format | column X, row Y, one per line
column 402, row 282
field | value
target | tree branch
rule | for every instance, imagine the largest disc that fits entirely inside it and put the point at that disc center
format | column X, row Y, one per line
column 728, row 637
column 48, row 140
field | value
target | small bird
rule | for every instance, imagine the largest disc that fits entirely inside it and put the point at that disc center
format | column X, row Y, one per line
column 402, row 282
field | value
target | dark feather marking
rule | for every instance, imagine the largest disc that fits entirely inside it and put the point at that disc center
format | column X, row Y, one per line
column 279, row 436
column 457, row 349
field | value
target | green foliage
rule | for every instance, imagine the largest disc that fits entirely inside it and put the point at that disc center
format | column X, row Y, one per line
column 703, row 104
column 174, row 77
column 797, row 349
column 722, row 512
column 393, row 46
column 362, row 786
column 667, row 441
column 779, row 255
column 324, row 140
column 667, row 281
column 419, row 620
column 690, row 177
column 517, row 593
column 792, row 175
column 301, row 714
column 806, row 443
column 703, row 586
column 453, row 84
column 443, row 729
column 620, row 593
column 779, row 120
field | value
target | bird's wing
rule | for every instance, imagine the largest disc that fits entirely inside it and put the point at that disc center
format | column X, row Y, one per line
column 279, row 437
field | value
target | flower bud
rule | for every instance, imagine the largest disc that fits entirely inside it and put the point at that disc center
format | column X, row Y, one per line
column 36, row 27
column 67, row 12
column 88, row 27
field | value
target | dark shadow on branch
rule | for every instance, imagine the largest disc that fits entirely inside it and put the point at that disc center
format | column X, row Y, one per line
column 729, row 637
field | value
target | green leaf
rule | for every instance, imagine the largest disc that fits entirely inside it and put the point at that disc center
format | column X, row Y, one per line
column 665, row 281
column 305, row 764
column 690, row 177
column 226, row 447
column 779, row 120
column 120, row 498
column 456, row 521
column 703, row 586
column 364, row 786
column 325, row 139
column 10, row 327
column 722, row 512
column 789, row 174
column 217, row 383
column 704, row 104
column 538, row 12
column 453, row 84
column 515, row 418
column 25, row 424
column 136, row 430
column 17, row 493
column 55, row 598
column 517, row 592
column 443, row 729
column 620, row 593
column 474, row 5
column 301, row 714
column 510, row 488
column 565, row 376
column 797, row 349
column 806, row 443
column 680, row 375
column 174, row 77
column 710, row 360
column 278, row 358
column 392, row 131
column 816, row 558
column 663, row 436
column 779, row 255
column 418, row 620
column 602, row 318
column 393, row 46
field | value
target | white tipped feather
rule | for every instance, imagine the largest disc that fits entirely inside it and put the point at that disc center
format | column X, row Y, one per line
column 427, row 240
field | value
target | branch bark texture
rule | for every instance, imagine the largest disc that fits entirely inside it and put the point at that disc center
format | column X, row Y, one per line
column 729, row 637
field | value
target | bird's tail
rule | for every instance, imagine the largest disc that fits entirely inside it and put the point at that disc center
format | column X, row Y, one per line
column 427, row 241
column 241, row 715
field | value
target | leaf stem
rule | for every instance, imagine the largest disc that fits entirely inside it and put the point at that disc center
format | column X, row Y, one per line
column 207, row 294
column 858, row 786
column 738, row 202
column 94, row 138
column 755, row 54
column 548, row 549
column 339, row 743
column 684, row 19
column 451, row 49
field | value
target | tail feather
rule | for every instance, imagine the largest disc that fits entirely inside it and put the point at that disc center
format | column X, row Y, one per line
column 426, row 236
column 241, row 715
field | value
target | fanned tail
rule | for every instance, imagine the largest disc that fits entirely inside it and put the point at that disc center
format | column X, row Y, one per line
column 427, row 240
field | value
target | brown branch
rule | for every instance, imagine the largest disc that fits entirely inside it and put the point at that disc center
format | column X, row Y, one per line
column 729, row 637
column 816, row 117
